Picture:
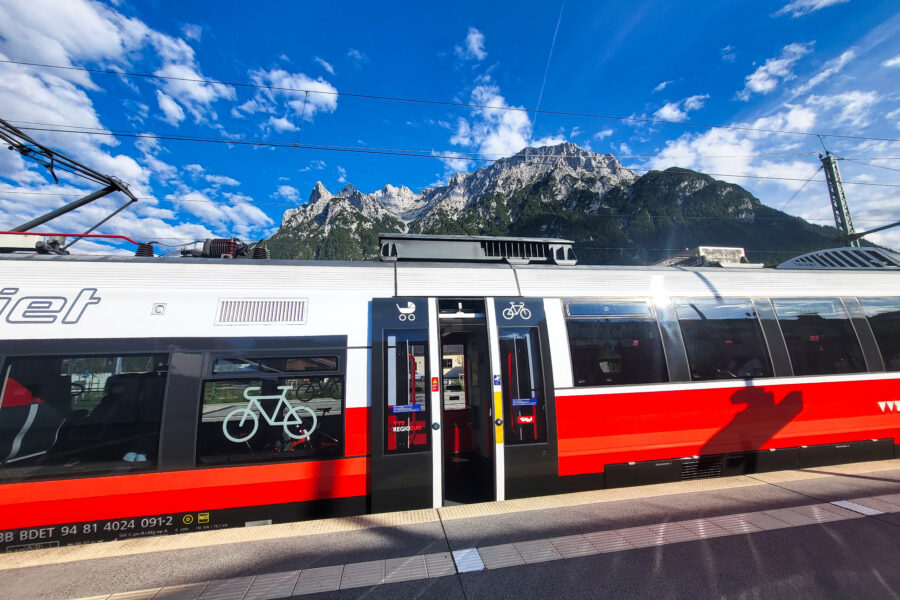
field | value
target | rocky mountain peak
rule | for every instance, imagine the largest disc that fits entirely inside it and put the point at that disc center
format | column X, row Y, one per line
column 551, row 191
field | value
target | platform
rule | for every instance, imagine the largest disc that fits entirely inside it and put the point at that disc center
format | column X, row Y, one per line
column 828, row 531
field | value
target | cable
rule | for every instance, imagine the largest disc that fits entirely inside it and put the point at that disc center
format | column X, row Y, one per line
column 446, row 102
column 802, row 187
column 463, row 154
column 295, row 205
column 869, row 164
column 358, row 150
column 425, row 153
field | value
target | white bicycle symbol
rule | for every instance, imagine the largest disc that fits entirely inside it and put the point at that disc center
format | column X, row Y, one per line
column 516, row 309
column 293, row 415
column 407, row 312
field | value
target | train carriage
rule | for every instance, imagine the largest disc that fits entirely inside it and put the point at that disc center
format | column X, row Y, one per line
column 144, row 396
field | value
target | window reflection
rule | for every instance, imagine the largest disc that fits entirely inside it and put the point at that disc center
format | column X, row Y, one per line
column 723, row 338
column 819, row 336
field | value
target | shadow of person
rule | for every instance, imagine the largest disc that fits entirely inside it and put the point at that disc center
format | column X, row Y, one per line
column 750, row 429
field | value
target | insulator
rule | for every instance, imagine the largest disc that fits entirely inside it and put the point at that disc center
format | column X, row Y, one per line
column 219, row 247
column 260, row 252
column 144, row 249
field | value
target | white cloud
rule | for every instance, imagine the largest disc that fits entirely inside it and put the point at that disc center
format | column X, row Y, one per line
column 221, row 180
column 728, row 54
column 194, row 169
column 474, row 46
column 81, row 31
column 281, row 124
column 288, row 192
column 240, row 219
column 832, row 67
column 853, row 107
column 894, row 115
column 892, row 62
column 766, row 77
column 325, row 65
column 192, row 32
column 603, row 134
column 196, row 96
column 678, row 111
column 322, row 96
column 494, row 132
column 172, row 113
column 317, row 165
column 661, row 86
column 59, row 33
column 625, row 149
column 342, row 175
column 799, row 8
column 357, row 58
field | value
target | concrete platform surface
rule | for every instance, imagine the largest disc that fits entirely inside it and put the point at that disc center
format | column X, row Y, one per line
column 824, row 532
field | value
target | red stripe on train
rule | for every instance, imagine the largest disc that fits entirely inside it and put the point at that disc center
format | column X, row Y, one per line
column 603, row 429
column 356, row 434
column 74, row 500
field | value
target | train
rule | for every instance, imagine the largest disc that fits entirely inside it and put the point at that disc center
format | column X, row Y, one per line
column 158, row 395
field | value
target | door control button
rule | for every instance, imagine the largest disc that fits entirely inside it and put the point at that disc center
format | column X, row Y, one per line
column 498, row 422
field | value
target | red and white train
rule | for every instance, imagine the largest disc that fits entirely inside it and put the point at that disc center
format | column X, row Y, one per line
column 157, row 395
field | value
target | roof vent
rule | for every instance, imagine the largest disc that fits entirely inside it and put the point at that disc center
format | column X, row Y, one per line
column 845, row 258
column 710, row 256
column 463, row 248
column 244, row 311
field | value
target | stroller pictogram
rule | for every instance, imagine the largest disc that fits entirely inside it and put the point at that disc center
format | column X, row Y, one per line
column 407, row 312
column 298, row 421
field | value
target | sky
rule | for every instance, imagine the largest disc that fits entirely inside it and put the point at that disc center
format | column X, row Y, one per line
column 285, row 94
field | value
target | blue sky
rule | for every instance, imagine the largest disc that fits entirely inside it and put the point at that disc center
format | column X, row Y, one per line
column 815, row 66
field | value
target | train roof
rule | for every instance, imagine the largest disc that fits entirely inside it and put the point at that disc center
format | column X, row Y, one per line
column 377, row 279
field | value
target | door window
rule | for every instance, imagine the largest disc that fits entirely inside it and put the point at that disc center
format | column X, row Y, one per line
column 523, row 385
column 406, row 391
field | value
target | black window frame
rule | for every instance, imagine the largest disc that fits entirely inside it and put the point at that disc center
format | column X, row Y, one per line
column 651, row 315
column 209, row 375
column 760, row 331
column 51, row 349
column 849, row 322
column 187, row 367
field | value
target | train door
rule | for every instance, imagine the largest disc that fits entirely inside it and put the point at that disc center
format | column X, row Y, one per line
column 524, row 405
column 462, row 402
column 466, row 394
column 404, row 390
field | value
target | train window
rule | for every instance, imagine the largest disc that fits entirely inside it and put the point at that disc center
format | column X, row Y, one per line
column 614, row 343
column 819, row 336
column 406, row 396
column 270, row 417
column 69, row 415
column 723, row 338
column 523, row 385
column 884, row 317
column 275, row 365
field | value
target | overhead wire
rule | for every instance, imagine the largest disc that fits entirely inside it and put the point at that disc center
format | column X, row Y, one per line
column 453, row 153
column 802, row 187
column 121, row 73
column 295, row 205
column 363, row 150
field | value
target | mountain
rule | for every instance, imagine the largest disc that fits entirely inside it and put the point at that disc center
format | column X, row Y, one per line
column 613, row 215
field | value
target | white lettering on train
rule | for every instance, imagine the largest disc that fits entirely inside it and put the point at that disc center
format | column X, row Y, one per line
column 44, row 310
